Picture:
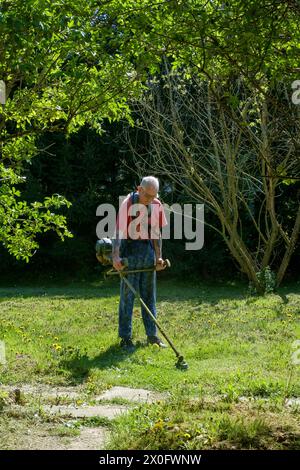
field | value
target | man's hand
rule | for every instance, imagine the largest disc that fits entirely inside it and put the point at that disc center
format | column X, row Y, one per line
column 160, row 264
column 117, row 263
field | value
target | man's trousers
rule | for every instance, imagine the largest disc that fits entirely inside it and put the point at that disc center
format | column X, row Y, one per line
column 140, row 255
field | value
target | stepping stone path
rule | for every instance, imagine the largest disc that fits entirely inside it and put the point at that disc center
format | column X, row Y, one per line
column 90, row 437
column 293, row 402
column 41, row 435
column 103, row 411
column 131, row 394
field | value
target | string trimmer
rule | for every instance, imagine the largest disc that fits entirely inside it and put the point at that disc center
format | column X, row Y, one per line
column 161, row 267
column 104, row 256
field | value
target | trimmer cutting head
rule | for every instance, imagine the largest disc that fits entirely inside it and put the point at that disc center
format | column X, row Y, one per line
column 181, row 363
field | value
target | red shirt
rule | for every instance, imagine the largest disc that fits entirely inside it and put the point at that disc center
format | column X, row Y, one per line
column 137, row 222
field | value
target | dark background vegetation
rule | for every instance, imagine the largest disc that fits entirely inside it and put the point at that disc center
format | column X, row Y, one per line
column 90, row 169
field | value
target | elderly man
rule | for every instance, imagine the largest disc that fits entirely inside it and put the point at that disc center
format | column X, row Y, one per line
column 138, row 238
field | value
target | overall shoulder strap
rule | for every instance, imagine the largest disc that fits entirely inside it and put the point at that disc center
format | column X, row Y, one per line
column 130, row 202
column 132, row 199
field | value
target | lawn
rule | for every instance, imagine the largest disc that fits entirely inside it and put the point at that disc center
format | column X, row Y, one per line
column 238, row 347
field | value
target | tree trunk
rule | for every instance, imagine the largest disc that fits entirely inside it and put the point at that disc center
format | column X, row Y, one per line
column 289, row 250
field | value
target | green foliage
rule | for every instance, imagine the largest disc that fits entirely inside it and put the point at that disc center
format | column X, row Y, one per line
column 198, row 422
column 247, row 435
column 3, row 399
column 20, row 222
column 67, row 64
column 254, row 38
column 60, row 74
column 267, row 280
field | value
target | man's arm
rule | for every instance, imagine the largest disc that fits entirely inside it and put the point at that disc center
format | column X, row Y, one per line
column 157, row 242
column 121, row 230
column 161, row 222
column 116, row 253
column 121, row 224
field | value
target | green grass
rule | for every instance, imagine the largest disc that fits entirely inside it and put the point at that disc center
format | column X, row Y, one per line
column 185, row 423
column 235, row 345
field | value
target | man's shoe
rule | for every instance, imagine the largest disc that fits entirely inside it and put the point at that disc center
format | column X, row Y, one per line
column 127, row 345
column 156, row 340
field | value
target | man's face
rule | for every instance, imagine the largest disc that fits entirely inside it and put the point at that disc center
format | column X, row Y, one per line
column 146, row 195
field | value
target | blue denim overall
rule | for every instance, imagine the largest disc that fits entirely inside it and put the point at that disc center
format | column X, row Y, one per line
column 140, row 254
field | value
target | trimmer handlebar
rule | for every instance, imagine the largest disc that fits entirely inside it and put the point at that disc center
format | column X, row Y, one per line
column 158, row 267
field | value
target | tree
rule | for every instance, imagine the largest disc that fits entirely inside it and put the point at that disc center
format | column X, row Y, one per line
column 255, row 39
column 234, row 150
column 67, row 63
column 62, row 69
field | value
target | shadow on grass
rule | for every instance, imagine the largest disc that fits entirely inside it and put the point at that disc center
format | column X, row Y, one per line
column 283, row 297
column 168, row 290
column 69, row 291
column 79, row 367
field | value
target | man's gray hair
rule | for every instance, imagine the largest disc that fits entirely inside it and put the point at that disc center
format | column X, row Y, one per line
column 150, row 181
